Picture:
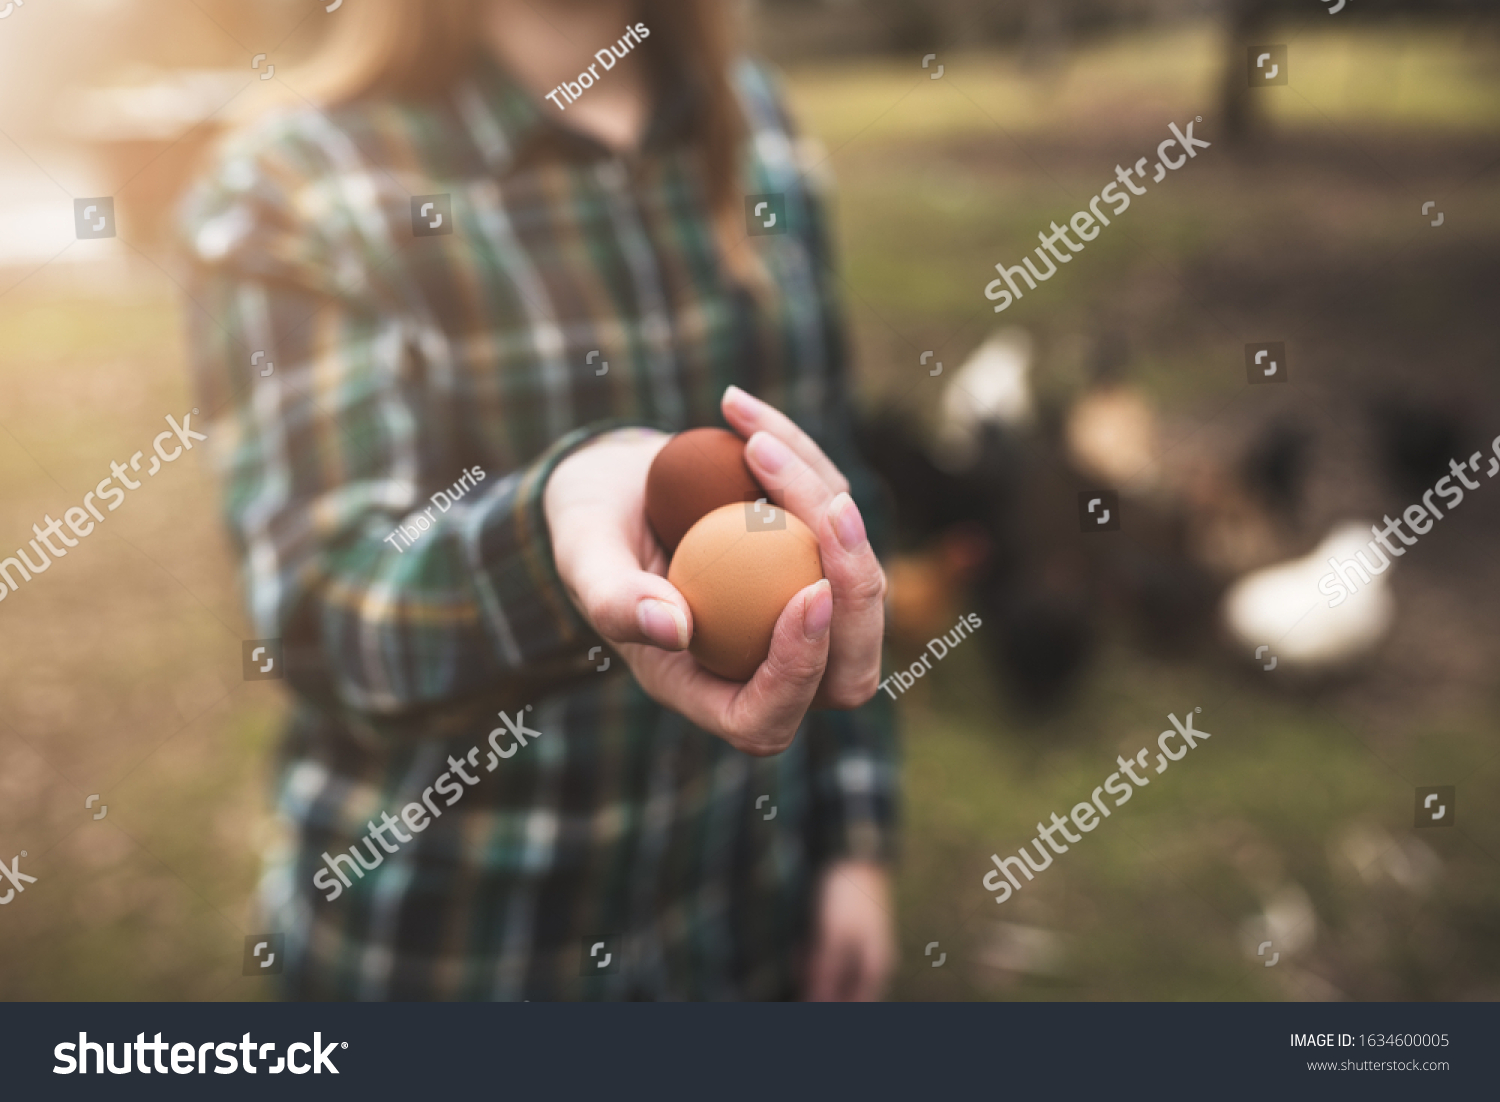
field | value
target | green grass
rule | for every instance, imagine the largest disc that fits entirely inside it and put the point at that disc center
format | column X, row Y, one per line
column 1422, row 77
column 1151, row 902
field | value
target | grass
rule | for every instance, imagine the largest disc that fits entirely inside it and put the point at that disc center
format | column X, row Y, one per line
column 1423, row 76
column 940, row 179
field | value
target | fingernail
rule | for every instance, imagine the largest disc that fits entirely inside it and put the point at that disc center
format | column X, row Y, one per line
column 848, row 525
column 662, row 623
column 734, row 395
column 768, row 451
column 817, row 614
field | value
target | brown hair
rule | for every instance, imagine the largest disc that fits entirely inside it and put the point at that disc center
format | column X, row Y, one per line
column 417, row 47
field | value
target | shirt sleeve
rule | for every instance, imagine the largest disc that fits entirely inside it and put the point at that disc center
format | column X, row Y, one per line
column 399, row 567
column 855, row 784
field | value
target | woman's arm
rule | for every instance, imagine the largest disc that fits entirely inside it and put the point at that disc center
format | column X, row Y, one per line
column 387, row 599
column 332, row 443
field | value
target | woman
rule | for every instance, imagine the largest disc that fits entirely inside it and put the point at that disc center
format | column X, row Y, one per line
column 481, row 305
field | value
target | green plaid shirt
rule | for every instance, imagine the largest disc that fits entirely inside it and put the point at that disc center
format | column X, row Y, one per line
column 407, row 349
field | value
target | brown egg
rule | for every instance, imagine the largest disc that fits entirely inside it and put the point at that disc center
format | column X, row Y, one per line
column 696, row 472
column 738, row 567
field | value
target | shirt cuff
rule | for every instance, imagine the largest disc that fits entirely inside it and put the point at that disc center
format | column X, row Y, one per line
column 523, row 602
column 856, row 788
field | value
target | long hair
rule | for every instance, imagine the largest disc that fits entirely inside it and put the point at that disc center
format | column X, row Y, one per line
column 419, row 47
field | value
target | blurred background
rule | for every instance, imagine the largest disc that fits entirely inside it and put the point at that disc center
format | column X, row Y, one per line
column 1351, row 214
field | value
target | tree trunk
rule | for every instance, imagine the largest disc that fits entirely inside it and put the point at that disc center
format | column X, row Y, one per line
column 1248, row 23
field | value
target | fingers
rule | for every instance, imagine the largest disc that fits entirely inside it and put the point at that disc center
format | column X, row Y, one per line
column 848, row 964
column 854, row 950
column 874, row 969
column 826, row 967
column 859, row 600
column 749, row 415
column 849, row 563
column 764, row 716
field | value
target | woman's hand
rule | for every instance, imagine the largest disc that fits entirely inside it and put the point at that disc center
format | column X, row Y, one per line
column 613, row 569
column 802, row 480
column 854, row 948
column 826, row 644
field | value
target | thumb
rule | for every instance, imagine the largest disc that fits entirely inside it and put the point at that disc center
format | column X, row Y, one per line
column 626, row 604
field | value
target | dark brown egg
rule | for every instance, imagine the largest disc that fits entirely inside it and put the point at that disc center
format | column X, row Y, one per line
column 698, row 471
column 738, row 567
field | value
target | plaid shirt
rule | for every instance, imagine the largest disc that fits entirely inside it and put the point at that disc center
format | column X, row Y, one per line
column 410, row 355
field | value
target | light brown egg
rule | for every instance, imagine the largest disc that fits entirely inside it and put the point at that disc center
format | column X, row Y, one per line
column 695, row 473
column 738, row 567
